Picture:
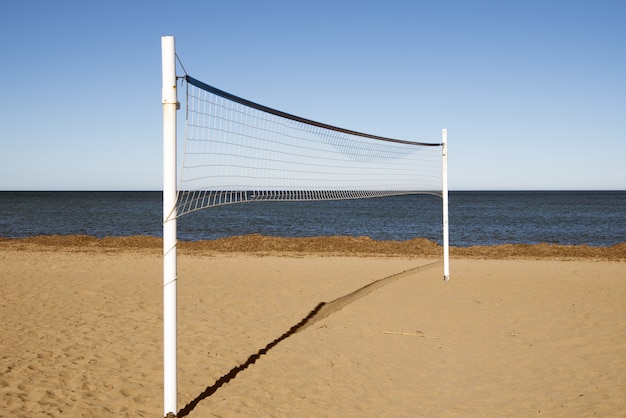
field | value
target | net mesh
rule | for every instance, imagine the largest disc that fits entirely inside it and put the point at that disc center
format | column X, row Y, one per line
column 238, row 151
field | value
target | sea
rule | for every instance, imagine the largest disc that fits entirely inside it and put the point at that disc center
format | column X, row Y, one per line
column 595, row 218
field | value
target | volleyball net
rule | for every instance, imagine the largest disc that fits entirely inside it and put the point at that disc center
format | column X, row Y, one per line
column 238, row 151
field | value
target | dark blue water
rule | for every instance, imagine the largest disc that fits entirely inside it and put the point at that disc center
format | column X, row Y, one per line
column 476, row 218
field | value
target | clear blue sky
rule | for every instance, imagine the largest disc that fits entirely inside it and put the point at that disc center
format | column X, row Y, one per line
column 533, row 93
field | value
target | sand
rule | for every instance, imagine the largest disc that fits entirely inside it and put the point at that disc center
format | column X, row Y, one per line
column 291, row 328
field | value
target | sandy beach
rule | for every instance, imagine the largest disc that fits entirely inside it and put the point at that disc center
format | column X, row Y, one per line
column 328, row 327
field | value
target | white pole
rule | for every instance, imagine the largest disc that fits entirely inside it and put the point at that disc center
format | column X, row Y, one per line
column 444, row 193
column 170, row 102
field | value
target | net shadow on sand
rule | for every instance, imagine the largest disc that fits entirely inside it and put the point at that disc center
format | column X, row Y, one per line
column 321, row 311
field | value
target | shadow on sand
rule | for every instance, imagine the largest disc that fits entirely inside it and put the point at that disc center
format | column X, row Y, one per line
column 321, row 311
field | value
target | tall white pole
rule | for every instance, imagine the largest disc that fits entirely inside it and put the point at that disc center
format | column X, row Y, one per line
column 444, row 193
column 170, row 104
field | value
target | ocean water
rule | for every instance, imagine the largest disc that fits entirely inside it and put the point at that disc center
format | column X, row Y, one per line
column 476, row 218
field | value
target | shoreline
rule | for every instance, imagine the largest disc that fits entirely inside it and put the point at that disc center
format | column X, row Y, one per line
column 325, row 245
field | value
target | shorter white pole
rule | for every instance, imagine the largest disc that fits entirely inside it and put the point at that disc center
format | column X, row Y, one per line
column 444, row 195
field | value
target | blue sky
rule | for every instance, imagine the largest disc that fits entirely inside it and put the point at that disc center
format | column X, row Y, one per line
column 533, row 93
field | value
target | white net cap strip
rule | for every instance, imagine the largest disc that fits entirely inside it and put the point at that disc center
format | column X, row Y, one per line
column 237, row 151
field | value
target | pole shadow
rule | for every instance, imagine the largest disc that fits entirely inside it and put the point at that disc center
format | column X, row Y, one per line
column 321, row 311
